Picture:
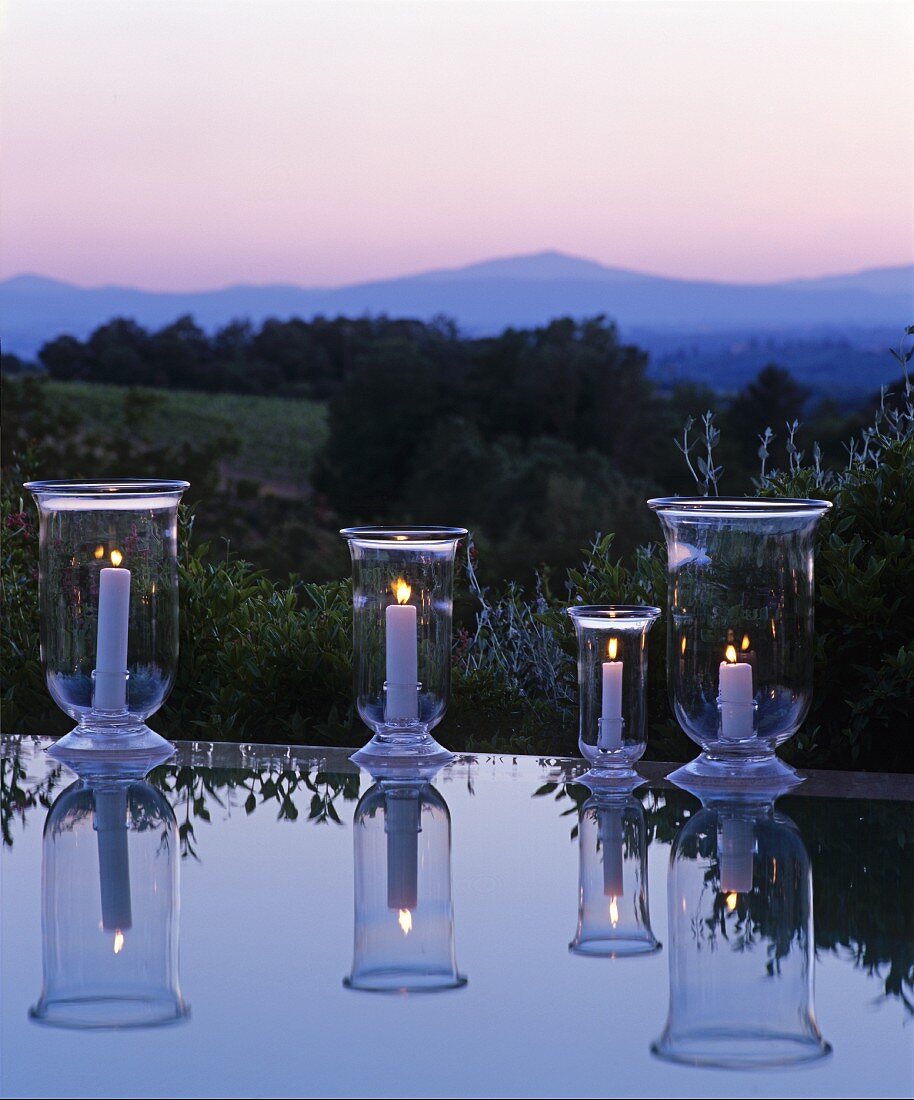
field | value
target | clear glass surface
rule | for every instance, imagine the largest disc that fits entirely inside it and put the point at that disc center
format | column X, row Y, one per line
column 612, row 685
column 740, row 624
column 741, row 942
column 108, row 594
column 614, row 919
column 404, row 915
column 109, row 924
column 402, row 612
column 266, row 846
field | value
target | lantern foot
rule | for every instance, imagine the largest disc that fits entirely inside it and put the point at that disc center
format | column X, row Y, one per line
column 403, row 747
column 708, row 773
column 135, row 748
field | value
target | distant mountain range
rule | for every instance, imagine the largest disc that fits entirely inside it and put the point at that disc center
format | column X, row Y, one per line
column 485, row 298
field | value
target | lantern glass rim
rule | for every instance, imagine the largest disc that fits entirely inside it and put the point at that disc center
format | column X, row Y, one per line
column 739, row 507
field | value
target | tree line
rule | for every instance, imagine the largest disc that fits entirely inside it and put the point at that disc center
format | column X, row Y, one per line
column 534, row 438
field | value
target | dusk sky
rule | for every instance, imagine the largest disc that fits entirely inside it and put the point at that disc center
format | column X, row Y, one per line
column 187, row 145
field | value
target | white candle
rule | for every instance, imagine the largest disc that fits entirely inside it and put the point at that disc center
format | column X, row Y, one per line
column 735, row 849
column 402, row 827
column 611, row 710
column 113, row 859
column 402, row 657
column 111, row 643
column 611, row 843
column 737, row 718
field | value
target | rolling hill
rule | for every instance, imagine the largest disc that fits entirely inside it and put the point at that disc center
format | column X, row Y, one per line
column 486, row 297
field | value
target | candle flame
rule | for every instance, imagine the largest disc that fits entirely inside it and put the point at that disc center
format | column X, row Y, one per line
column 118, row 941
column 99, row 551
column 613, row 648
column 116, row 558
column 744, row 645
column 730, row 654
column 682, row 647
column 732, row 899
column 405, row 920
column 613, row 912
column 401, row 590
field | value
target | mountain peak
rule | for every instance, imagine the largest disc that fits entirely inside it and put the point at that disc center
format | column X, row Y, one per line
column 31, row 282
column 548, row 266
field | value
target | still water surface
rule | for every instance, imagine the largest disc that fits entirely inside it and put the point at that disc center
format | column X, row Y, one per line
column 265, row 858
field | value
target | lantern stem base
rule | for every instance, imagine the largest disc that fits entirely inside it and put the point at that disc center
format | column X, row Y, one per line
column 708, row 772
column 135, row 746
column 611, row 780
column 403, row 747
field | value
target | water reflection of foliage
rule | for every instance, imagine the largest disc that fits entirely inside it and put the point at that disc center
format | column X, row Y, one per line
column 665, row 811
column 775, row 913
column 863, row 884
column 863, row 872
column 19, row 793
column 190, row 789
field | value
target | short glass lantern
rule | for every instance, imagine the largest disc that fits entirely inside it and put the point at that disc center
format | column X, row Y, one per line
column 742, row 944
column 740, row 628
column 612, row 679
column 402, row 610
column 110, row 906
column 404, row 915
column 108, row 595
column 613, row 910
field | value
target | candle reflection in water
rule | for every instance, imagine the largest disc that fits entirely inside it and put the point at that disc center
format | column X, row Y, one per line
column 110, row 905
column 404, row 919
column 613, row 909
column 741, row 940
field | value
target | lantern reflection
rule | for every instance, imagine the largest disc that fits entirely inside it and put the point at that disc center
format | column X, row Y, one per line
column 613, row 910
column 404, row 918
column 110, row 869
column 741, row 940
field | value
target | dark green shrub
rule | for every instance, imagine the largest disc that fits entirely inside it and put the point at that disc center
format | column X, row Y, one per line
column 271, row 661
column 864, row 690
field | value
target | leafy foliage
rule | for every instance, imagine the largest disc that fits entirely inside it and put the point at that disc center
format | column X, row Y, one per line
column 259, row 660
column 270, row 660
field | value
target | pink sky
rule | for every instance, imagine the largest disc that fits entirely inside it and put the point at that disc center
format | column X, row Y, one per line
column 189, row 145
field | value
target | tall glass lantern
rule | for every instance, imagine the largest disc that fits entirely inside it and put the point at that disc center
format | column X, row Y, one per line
column 402, row 610
column 612, row 684
column 613, row 910
column 110, row 905
column 742, row 945
column 108, row 594
column 740, row 628
column 404, row 914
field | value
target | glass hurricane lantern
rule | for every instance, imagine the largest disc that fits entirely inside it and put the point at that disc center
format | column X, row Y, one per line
column 402, row 609
column 740, row 628
column 108, row 596
column 612, row 682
